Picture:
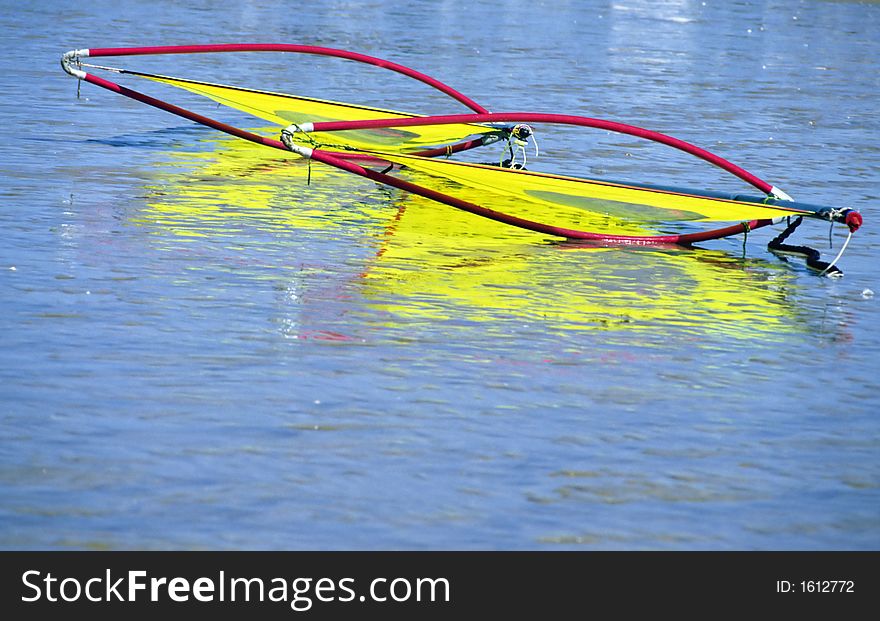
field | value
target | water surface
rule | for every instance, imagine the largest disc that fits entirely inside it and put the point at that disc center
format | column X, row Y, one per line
column 203, row 350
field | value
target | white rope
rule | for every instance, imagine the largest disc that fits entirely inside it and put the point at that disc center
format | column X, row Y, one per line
column 520, row 149
column 839, row 254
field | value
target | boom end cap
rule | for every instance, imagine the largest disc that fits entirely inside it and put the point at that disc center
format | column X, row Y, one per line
column 853, row 220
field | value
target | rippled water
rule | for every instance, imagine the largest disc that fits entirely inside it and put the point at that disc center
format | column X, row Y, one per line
column 202, row 351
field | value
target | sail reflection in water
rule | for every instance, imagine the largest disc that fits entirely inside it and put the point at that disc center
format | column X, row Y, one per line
column 223, row 184
column 444, row 264
column 412, row 259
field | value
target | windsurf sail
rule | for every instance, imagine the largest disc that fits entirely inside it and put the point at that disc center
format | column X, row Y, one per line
column 404, row 143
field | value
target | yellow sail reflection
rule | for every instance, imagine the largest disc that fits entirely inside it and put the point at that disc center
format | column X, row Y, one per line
column 434, row 263
column 204, row 191
column 439, row 264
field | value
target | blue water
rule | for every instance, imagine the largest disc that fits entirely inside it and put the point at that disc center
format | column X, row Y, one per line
column 200, row 351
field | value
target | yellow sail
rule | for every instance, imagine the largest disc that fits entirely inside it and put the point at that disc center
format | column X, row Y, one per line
column 577, row 203
column 285, row 109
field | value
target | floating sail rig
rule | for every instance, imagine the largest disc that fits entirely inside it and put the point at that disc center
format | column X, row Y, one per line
column 400, row 149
